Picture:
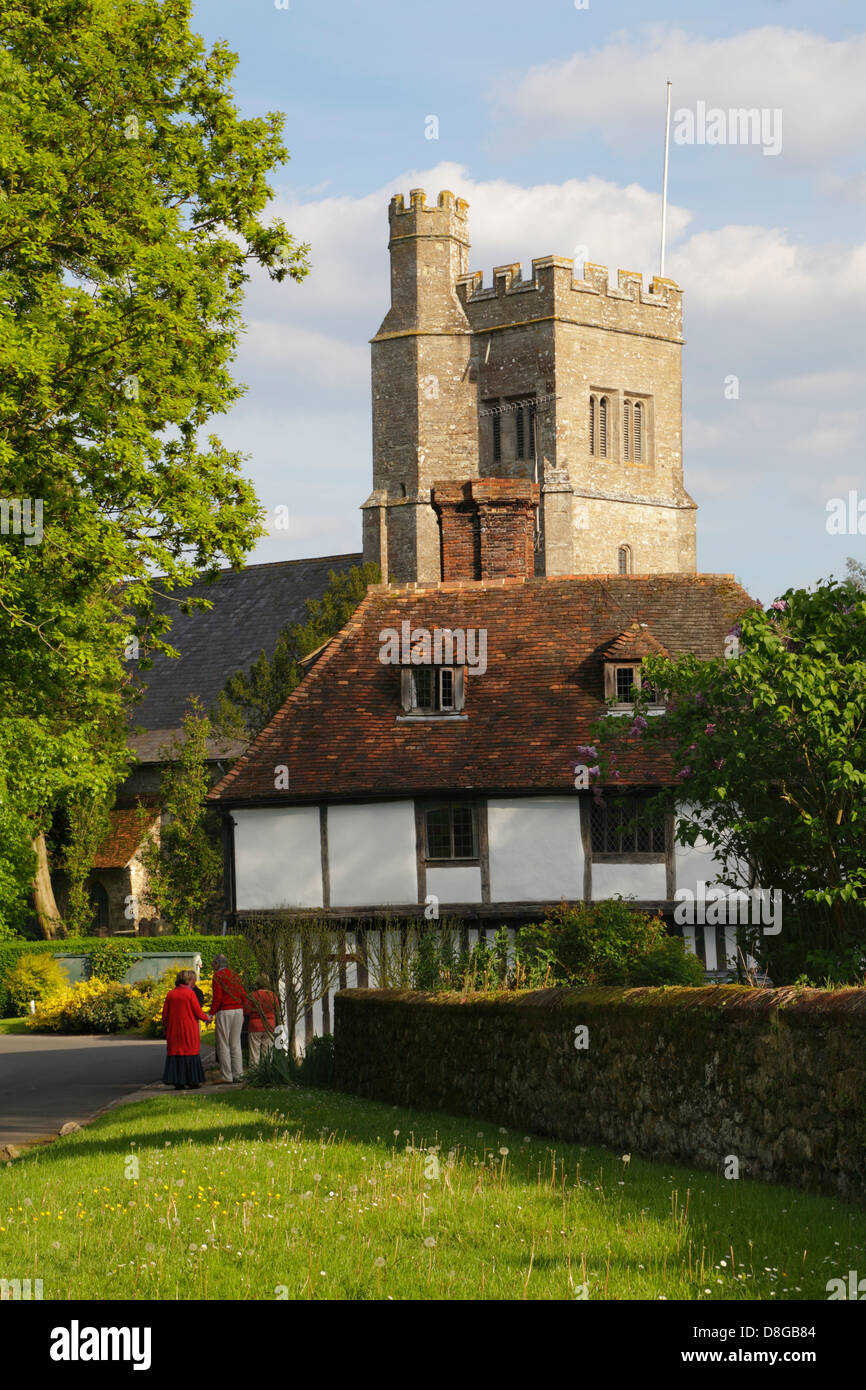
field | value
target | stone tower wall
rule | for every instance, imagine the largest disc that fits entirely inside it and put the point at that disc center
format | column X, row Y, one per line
column 452, row 355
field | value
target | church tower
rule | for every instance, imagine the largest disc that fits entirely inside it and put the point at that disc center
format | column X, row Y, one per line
column 533, row 427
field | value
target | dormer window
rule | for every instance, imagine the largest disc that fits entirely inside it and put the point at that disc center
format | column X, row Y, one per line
column 619, row 679
column 432, row 690
column 623, row 661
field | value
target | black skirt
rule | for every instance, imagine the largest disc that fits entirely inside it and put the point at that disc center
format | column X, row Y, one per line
column 183, row 1071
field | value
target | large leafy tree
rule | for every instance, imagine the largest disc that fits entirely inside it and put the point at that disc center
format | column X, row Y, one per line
column 252, row 698
column 131, row 203
column 768, row 764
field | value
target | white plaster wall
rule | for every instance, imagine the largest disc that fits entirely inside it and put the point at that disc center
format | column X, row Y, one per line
column 278, row 857
column 536, row 853
column 460, row 884
column 643, row 881
column 693, row 864
column 371, row 854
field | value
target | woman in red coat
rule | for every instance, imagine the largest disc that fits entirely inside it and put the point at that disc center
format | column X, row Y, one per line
column 181, row 1016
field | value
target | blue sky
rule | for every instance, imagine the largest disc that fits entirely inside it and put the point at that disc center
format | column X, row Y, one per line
column 550, row 122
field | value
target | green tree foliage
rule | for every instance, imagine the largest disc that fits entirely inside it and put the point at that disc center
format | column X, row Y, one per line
column 131, row 201
column 88, row 823
column 251, row 699
column 768, row 752
column 184, row 869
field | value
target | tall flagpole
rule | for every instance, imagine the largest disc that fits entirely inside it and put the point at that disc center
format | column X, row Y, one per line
column 665, row 186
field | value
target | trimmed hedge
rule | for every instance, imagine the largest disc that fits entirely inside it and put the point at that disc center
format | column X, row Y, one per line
column 234, row 947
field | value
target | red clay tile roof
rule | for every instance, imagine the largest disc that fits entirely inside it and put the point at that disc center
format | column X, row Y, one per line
column 123, row 838
column 338, row 733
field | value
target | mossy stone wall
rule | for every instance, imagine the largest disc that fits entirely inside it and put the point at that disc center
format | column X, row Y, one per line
column 773, row 1078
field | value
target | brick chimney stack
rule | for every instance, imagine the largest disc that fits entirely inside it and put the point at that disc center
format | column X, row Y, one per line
column 487, row 527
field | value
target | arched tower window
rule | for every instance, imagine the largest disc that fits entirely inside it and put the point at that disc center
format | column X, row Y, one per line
column 637, row 433
column 624, row 559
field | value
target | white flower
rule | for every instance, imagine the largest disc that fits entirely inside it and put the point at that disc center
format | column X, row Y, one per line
column 429, row 1241
column 379, row 1262
column 626, row 1158
column 503, row 1151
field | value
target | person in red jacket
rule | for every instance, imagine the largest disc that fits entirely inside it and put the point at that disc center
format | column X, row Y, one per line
column 230, row 1002
column 181, row 1016
column 262, row 1019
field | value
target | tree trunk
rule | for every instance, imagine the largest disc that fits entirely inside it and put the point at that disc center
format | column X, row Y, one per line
column 43, row 893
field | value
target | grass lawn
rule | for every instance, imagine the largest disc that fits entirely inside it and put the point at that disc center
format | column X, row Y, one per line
column 313, row 1194
column 12, row 1025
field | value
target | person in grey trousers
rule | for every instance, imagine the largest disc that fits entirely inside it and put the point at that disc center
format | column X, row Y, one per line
column 230, row 1003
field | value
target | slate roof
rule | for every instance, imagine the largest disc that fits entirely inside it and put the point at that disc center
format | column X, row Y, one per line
column 250, row 607
column 339, row 734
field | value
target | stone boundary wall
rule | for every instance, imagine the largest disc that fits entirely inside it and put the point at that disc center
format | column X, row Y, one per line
column 775, row 1078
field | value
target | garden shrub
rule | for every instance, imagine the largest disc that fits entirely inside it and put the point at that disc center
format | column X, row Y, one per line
column 90, row 1006
column 669, row 963
column 235, row 947
column 597, row 943
column 275, row 1069
column 316, row 1067
column 33, row 976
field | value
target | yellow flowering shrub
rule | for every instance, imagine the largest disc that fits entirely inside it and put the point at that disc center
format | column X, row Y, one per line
column 90, row 1006
column 156, row 993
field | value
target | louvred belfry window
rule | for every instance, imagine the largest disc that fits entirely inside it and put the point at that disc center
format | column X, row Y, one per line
column 599, row 425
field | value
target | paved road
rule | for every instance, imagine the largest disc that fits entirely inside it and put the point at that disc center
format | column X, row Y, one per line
column 45, row 1081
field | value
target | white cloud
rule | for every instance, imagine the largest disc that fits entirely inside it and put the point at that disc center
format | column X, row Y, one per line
column 816, row 82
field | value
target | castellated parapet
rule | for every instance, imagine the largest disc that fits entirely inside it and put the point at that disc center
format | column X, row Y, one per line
column 570, row 384
column 590, row 302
